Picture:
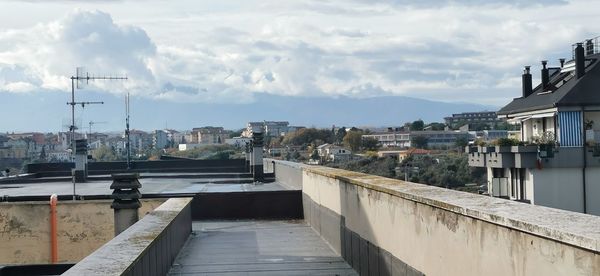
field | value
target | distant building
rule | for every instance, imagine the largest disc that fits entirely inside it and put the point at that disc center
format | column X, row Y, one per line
column 210, row 135
column 238, row 141
column 333, row 153
column 489, row 135
column 486, row 117
column 270, row 128
column 412, row 152
column 160, row 140
column 435, row 138
column 58, row 156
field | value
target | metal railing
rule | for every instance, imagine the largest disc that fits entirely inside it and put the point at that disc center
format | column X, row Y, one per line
column 591, row 46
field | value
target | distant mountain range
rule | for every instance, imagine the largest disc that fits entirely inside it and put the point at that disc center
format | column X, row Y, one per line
column 49, row 112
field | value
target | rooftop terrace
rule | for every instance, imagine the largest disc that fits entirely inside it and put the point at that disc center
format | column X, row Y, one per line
column 323, row 221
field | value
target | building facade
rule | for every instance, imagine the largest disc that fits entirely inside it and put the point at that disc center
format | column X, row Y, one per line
column 485, row 117
column 559, row 164
column 434, row 138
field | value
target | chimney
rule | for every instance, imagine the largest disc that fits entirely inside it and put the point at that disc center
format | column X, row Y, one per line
column 579, row 60
column 545, row 75
column 527, row 85
column 257, row 156
column 562, row 62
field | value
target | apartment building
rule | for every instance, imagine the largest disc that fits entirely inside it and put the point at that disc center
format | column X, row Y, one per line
column 558, row 164
column 435, row 138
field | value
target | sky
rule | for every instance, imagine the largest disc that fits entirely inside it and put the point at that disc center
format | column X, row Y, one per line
column 228, row 52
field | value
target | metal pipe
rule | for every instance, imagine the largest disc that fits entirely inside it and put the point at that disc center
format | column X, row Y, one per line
column 584, row 146
column 53, row 229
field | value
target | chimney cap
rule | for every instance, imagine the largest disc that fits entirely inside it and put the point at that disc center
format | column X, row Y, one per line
column 544, row 63
column 527, row 69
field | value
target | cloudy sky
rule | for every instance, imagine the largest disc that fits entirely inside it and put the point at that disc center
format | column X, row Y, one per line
column 227, row 51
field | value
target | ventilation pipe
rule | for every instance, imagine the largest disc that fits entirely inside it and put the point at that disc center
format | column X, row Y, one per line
column 545, row 75
column 527, row 85
column 579, row 60
column 53, row 230
column 562, row 62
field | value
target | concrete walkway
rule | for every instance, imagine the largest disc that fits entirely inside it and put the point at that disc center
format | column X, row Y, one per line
column 257, row 248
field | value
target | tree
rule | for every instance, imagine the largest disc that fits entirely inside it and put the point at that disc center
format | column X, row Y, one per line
column 437, row 126
column 105, row 153
column 419, row 142
column 417, row 125
column 370, row 143
column 461, row 142
column 339, row 136
column 315, row 155
column 307, row 136
column 353, row 140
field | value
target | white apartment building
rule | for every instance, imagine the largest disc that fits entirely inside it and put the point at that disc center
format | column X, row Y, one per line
column 559, row 165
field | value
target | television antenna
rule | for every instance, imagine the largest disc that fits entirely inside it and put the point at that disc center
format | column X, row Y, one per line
column 128, row 143
column 82, row 78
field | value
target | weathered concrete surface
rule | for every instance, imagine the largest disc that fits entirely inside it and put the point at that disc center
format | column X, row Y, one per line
column 288, row 174
column 257, row 248
column 83, row 226
column 445, row 232
column 146, row 248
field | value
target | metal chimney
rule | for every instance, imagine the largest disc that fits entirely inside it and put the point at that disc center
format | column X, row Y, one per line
column 562, row 62
column 527, row 84
column 579, row 60
column 545, row 75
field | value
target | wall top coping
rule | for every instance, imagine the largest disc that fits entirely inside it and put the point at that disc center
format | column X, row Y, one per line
column 577, row 229
column 120, row 253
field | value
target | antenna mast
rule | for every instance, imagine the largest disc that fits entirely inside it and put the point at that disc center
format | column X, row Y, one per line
column 79, row 79
column 127, row 145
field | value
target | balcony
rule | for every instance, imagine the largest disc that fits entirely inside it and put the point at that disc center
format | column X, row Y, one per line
column 532, row 156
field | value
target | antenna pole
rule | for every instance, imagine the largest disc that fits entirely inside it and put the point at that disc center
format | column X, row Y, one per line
column 80, row 77
column 128, row 143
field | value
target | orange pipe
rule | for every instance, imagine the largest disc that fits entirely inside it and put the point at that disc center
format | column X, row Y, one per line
column 53, row 229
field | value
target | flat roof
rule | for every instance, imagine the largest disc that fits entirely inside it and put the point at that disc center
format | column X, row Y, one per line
column 289, row 247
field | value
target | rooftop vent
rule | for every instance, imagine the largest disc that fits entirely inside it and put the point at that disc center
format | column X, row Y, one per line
column 579, row 60
column 545, row 75
column 527, row 85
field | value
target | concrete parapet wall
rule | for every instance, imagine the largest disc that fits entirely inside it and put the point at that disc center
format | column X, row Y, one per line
column 391, row 227
column 83, row 226
column 288, row 174
column 148, row 247
column 98, row 168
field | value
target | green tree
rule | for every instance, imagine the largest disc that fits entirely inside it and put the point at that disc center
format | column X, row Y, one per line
column 417, row 125
column 437, row 126
column 339, row 136
column 461, row 142
column 105, row 153
column 315, row 155
column 353, row 140
column 370, row 143
column 419, row 142
column 307, row 136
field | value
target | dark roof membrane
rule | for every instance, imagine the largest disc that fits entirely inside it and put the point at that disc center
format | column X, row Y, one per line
column 564, row 90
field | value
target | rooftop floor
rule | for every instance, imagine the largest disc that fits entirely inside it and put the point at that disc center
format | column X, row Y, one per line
column 149, row 186
column 257, row 248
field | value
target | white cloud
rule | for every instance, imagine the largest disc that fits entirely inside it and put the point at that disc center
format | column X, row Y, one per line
column 190, row 52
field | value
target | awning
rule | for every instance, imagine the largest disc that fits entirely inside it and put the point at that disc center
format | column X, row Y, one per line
column 544, row 115
column 518, row 119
